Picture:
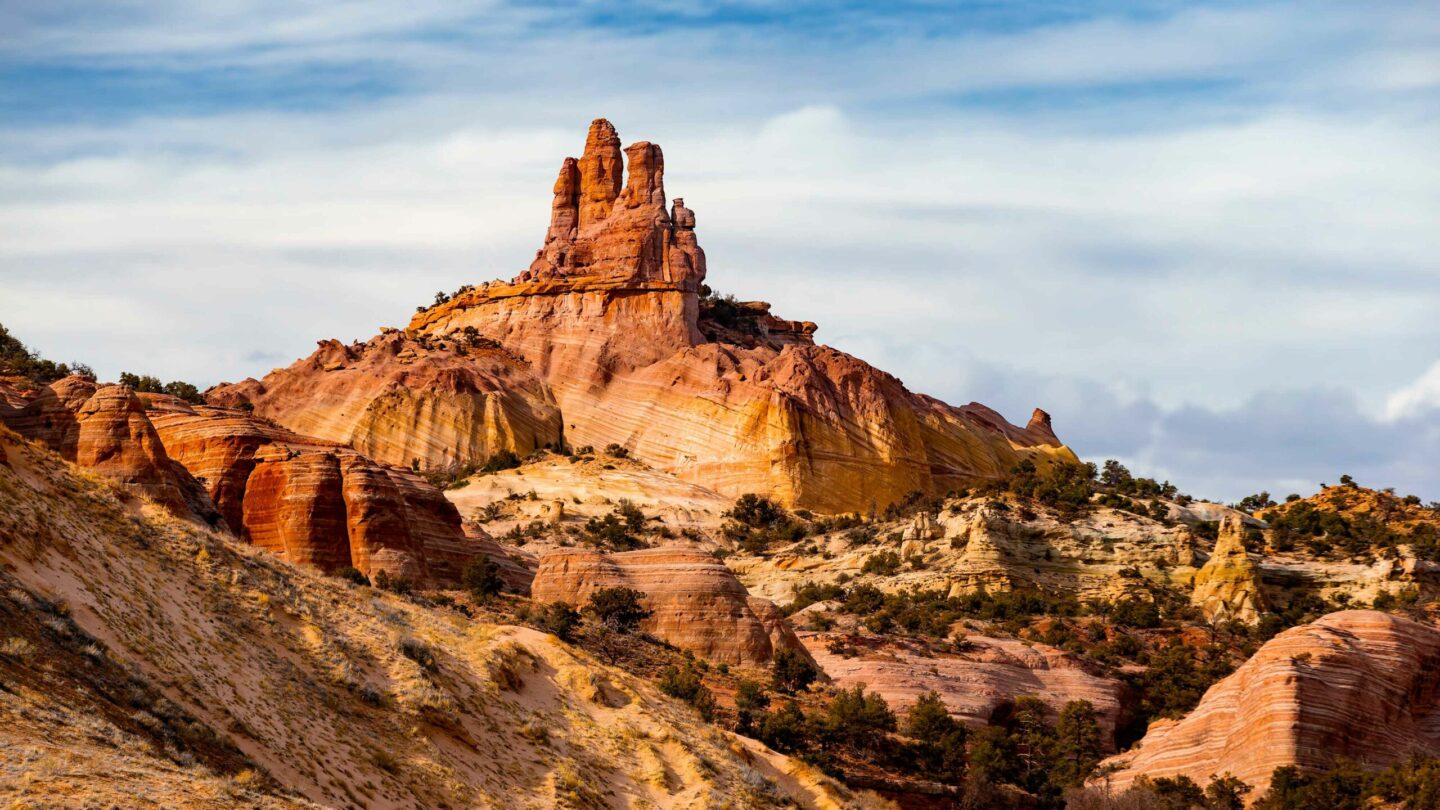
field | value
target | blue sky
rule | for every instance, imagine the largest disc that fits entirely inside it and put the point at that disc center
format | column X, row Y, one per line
column 1202, row 235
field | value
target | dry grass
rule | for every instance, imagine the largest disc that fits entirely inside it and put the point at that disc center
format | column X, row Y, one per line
column 345, row 695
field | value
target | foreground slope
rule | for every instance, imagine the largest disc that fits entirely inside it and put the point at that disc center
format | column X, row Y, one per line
column 344, row 696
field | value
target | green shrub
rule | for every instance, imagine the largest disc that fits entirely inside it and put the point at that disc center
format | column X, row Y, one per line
column 481, row 578
column 618, row 608
column 791, row 671
column 557, row 618
column 352, row 574
column 686, row 684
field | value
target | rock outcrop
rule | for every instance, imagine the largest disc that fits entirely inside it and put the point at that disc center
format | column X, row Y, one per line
column 1356, row 685
column 1227, row 586
column 310, row 500
column 400, row 400
column 981, row 543
column 696, row 603
column 609, row 316
column 978, row 685
column 106, row 430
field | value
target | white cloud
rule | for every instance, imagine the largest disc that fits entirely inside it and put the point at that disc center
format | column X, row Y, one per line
column 1416, row 399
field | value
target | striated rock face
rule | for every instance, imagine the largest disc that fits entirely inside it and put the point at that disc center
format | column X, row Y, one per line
column 696, row 603
column 1227, row 587
column 106, row 429
column 609, row 316
column 313, row 501
column 1357, row 685
column 977, row 686
column 397, row 399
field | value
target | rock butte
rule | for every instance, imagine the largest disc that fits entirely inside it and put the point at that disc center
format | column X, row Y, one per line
column 609, row 316
column 1357, row 685
column 697, row 604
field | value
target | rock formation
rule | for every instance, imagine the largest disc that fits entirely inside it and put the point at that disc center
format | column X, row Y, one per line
column 977, row 685
column 609, row 317
column 695, row 602
column 105, row 429
column 976, row 543
column 1227, row 586
column 277, row 688
column 311, row 501
column 400, row 400
column 1356, row 685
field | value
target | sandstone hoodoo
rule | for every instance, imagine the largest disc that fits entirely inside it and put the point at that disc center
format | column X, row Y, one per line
column 696, row 603
column 614, row 316
column 1227, row 587
column 1356, row 685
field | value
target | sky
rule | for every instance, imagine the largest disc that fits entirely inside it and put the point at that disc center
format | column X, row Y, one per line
column 1204, row 236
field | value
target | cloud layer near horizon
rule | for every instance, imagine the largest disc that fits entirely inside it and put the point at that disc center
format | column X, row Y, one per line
column 1202, row 237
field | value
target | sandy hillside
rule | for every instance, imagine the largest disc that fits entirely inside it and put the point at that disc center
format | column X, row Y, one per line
column 144, row 660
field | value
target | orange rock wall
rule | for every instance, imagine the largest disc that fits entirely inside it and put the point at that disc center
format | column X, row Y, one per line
column 1358, row 685
column 697, row 604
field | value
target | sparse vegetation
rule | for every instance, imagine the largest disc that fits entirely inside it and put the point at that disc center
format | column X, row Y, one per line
column 617, row 608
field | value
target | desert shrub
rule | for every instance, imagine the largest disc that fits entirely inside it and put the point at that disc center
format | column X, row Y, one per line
column 750, row 704
column 1132, row 612
column 481, row 577
column 613, row 532
column 808, row 593
column 352, row 574
column 557, row 618
column 786, row 729
column 791, row 671
column 419, row 652
column 16, row 359
column 398, row 585
column 857, row 719
column 617, row 451
column 503, row 459
column 1077, row 743
column 884, row 563
column 618, row 608
column 938, row 747
column 1175, row 678
column 757, row 522
column 686, row 684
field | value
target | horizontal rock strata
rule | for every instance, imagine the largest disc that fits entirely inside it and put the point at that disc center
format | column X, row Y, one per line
column 696, row 604
column 400, row 400
column 1357, row 685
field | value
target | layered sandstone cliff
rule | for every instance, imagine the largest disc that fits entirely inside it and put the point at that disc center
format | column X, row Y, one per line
column 1227, row 587
column 401, row 400
column 310, row 500
column 1357, row 685
column 105, row 429
column 696, row 603
column 609, row 317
